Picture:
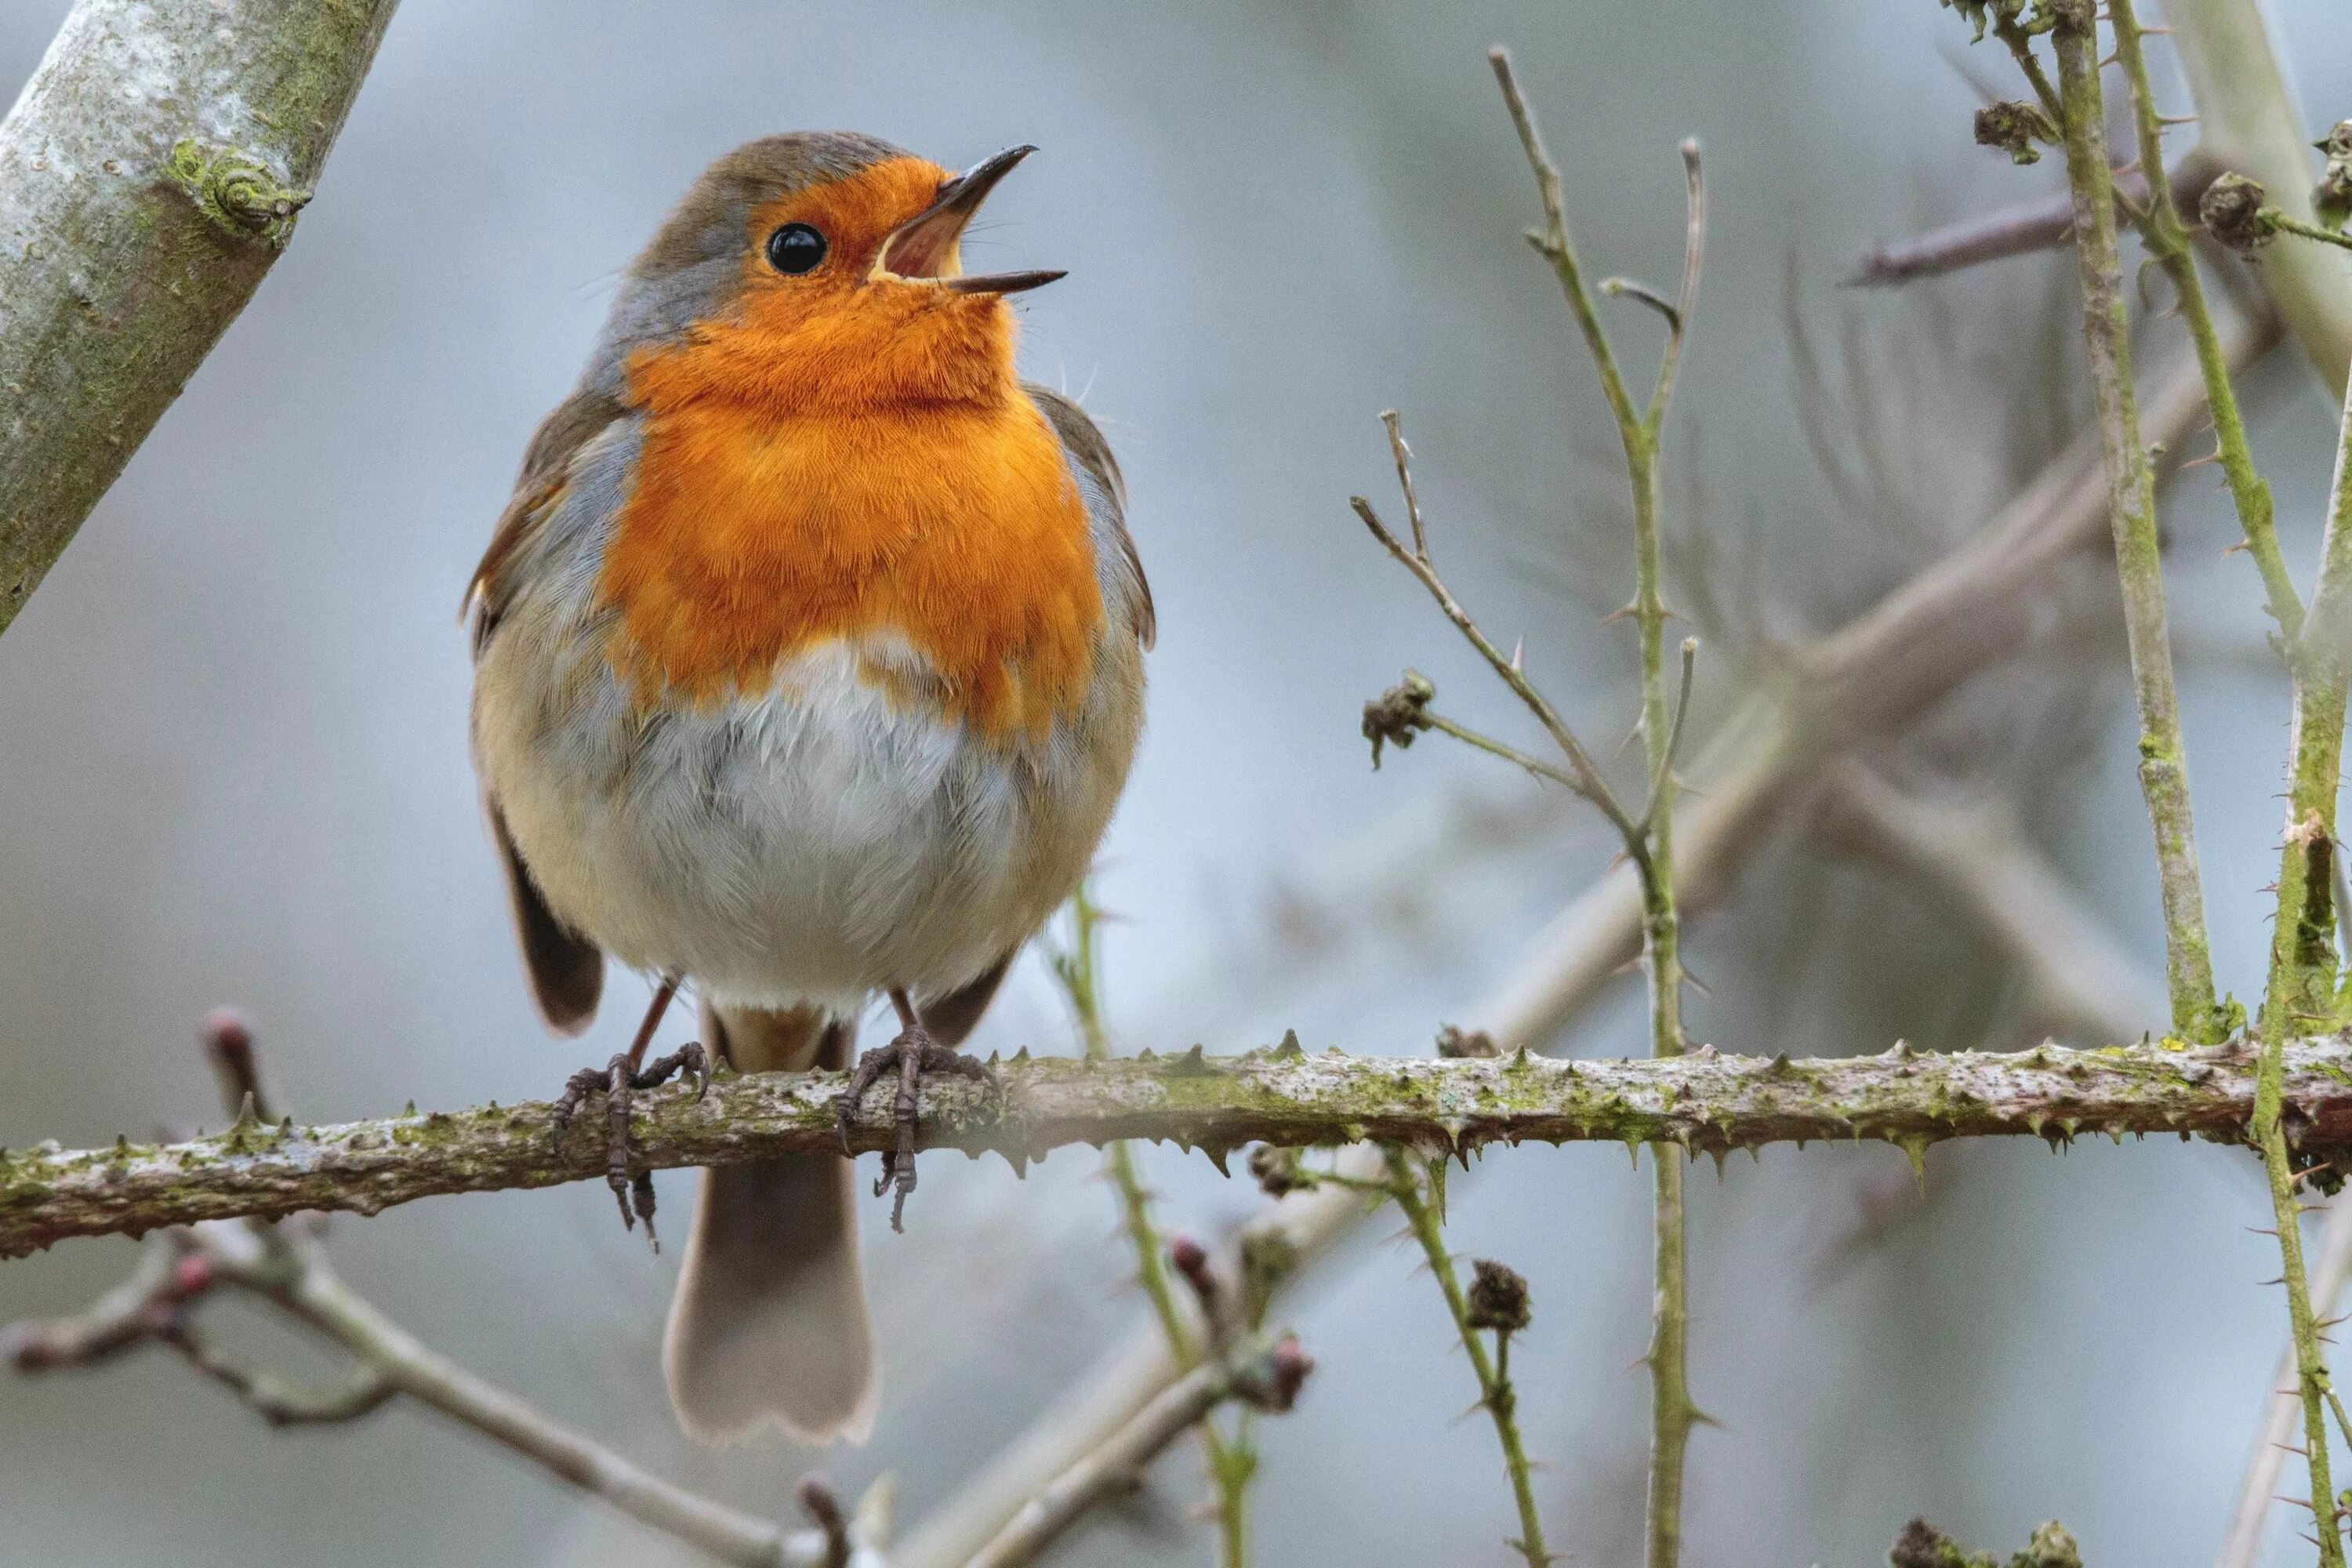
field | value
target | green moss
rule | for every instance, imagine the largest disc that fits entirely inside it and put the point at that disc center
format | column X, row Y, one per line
column 235, row 191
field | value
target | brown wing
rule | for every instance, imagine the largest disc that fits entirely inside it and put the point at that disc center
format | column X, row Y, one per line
column 951, row 1017
column 1092, row 453
column 572, row 424
column 567, row 970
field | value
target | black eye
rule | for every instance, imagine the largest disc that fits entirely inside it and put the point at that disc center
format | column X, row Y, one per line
column 796, row 248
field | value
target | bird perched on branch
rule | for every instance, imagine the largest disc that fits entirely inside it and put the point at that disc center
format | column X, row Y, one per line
column 808, row 668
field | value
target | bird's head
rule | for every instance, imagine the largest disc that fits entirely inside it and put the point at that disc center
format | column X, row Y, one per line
column 818, row 270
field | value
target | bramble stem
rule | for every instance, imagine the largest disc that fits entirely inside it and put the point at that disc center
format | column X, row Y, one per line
column 1495, row 1392
column 2166, row 235
column 1651, row 842
column 2303, row 945
column 1231, row 1462
column 2131, row 500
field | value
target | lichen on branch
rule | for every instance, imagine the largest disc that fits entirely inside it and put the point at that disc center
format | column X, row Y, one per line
column 1705, row 1102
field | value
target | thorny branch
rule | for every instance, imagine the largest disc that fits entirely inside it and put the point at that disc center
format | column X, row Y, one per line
column 1497, row 1303
column 2131, row 504
column 1705, row 1101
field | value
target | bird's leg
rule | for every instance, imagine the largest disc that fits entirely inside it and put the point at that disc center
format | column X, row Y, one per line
column 618, row 1081
column 913, row 1053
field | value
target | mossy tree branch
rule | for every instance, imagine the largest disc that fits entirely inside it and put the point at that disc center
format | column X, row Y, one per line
column 149, row 174
column 2131, row 504
column 2166, row 236
column 1705, row 1102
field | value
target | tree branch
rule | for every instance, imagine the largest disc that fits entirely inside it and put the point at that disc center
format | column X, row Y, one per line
column 1706, row 1103
column 150, row 173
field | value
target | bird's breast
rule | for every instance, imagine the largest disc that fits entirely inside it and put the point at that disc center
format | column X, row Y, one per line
column 749, row 537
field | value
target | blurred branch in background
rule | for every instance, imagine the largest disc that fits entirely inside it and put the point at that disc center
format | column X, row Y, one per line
column 285, row 1265
column 150, row 173
column 1232, row 1457
column 2079, row 984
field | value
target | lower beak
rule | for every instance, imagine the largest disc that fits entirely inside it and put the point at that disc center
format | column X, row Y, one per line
column 927, row 245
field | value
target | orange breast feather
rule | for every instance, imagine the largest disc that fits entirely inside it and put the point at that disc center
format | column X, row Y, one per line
column 754, row 535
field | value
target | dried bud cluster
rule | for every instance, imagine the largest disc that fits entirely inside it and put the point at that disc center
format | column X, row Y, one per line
column 1399, row 713
column 1978, row 13
column 1278, row 1171
column 2333, row 195
column 1498, row 1297
column 2234, row 214
column 1922, row 1545
column 1454, row 1043
column 2017, row 128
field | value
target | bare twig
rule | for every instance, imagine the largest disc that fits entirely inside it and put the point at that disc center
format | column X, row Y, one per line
column 287, row 1267
column 1230, row 1460
column 2303, row 957
column 2167, row 238
column 1650, row 842
column 2131, row 504
column 2283, row 1407
column 1268, row 1376
column 2022, row 230
column 1496, row 1394
column 149, row 174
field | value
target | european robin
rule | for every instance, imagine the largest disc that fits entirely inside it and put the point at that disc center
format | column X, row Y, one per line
column 808, row 667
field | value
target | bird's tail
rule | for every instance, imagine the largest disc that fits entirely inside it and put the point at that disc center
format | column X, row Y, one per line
column 769, row 1324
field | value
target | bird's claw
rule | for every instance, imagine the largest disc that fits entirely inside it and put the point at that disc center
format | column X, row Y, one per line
column 618, row 1082
column 913, row 1053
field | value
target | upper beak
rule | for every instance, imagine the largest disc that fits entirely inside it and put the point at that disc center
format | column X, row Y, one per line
column 925, row 245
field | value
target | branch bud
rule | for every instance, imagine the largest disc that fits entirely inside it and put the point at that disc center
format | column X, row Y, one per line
column 1399, row 713
column 2017, row 128
column 1499, row 1298
column 2233, row 213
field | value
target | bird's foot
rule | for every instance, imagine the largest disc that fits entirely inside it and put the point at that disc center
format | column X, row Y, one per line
column 618, row 1082
column 913, row 1053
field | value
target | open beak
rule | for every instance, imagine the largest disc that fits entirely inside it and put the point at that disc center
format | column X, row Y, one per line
column 927, row 245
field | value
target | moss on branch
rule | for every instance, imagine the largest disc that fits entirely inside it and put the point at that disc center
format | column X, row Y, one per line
column 1705, row 1102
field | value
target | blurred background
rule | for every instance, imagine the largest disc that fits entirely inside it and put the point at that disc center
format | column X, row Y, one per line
column 235, row 771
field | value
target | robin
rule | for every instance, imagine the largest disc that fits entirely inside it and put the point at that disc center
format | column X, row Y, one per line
column 808, row 668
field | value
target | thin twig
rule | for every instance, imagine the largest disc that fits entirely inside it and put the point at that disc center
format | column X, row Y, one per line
column 287, row 1267
column 1495, row 1392
column 2131, row 498
column 2022, row 230
column 1267, row 1377
column 2303, row 957
column 1231, row 1460
column 2167, row 238
column 1588, row 781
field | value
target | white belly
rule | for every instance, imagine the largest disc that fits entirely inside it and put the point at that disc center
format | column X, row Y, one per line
column 814, row 844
